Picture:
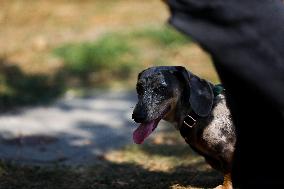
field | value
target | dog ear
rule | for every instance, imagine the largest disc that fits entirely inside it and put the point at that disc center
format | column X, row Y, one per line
column 201, row 95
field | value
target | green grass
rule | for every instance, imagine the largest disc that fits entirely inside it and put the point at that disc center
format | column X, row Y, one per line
column 110, row 52
column 118, row 54
column 115, row 57
column 164, row 36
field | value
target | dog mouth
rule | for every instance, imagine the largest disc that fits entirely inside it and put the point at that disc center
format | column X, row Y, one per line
column 145, row 129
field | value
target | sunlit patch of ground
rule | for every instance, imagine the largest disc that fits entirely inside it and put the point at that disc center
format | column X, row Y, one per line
column 164, row 161
column 167, row 153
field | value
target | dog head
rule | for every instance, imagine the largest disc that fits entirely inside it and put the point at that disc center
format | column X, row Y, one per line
column 159, row 91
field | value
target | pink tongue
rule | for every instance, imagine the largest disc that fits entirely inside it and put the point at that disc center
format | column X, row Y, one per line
column 143, row 131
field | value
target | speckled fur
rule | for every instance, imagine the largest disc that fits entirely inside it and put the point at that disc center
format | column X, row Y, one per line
column 214, row 137
column 160, row 88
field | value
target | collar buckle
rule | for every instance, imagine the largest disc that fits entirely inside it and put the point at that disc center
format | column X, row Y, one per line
column 189, row 121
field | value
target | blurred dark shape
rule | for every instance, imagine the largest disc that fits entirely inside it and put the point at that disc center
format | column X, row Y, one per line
column 246, row 41
column 18, row 88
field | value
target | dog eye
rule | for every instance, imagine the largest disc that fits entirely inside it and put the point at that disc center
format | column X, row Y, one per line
column 161, row 89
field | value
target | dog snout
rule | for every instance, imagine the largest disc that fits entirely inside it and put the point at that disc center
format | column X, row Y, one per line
column 139, row 116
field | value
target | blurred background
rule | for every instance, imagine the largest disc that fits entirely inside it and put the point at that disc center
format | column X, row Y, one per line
column 68, row 70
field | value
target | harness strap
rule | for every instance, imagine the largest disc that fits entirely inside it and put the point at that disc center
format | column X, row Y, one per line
column 190, row 119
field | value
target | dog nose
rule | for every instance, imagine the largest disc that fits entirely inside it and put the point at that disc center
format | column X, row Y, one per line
column 139, row 117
